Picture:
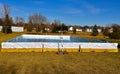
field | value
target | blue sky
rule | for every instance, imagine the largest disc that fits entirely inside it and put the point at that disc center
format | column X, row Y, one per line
column 75, row 12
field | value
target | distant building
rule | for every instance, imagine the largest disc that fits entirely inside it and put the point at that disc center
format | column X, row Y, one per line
column 82, row 29
column 111, row 30
column 47, row 29
column 17, row 29
column 79, row 29
column 70, row 28
column 88, row 30
column 99, row 30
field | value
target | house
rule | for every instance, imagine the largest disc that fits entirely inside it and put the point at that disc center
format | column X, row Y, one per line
column 17, row 29
column 89, row 30
column 47, row 29
column 78, row 29
column 99, row 30
column 70, row 28
column 84, row 29
column 111, row 30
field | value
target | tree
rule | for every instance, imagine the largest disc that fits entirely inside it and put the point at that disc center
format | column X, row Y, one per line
column 11, row 22
column 19, row 21
column 64, row 27
column 38, row 19
column 106, row 31
column 29, row 27
column 94, row 30
column 74, row 30
column 55, row 26
column 6, row 21
column 116, row 32
column 1, row 21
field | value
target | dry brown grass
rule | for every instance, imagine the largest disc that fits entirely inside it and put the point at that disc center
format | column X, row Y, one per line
column 51, row 63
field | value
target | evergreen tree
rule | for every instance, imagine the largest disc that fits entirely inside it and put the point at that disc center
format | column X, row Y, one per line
column 29, row 27
column 94, row 30
column 74, row 30
column 106, row 31
column 54, row 29
column 56, row 26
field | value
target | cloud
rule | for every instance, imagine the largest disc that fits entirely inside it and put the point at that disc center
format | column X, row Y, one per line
column 74, row 11
column 71, row 10
column 38, row 2
column 93, row 9
column 73, row 0
column 90, row 7
column 85, row 7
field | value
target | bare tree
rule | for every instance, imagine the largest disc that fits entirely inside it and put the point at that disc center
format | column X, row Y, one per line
column 19, row 21
column 5, row 11
column 29, row 26
column 57, row 22
column 38, row 19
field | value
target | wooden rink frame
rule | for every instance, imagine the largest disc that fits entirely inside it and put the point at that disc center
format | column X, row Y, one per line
column 56, row 50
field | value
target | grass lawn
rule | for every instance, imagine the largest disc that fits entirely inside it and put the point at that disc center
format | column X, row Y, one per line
column 52, row 63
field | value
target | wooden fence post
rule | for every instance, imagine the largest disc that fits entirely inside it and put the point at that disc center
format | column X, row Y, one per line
column 79, row 49
column 42, row 47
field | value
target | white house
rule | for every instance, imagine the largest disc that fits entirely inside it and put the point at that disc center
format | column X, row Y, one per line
column 99, row 30
column 88, row 30
column 70, row 28
column 79, row 30
column 15, row 29
column 47, row 29
column 111, row 30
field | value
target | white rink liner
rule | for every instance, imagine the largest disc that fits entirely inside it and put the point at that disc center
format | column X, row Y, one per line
column 83, row 45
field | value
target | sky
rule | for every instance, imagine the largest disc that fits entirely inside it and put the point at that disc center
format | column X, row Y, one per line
column 71, row 12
